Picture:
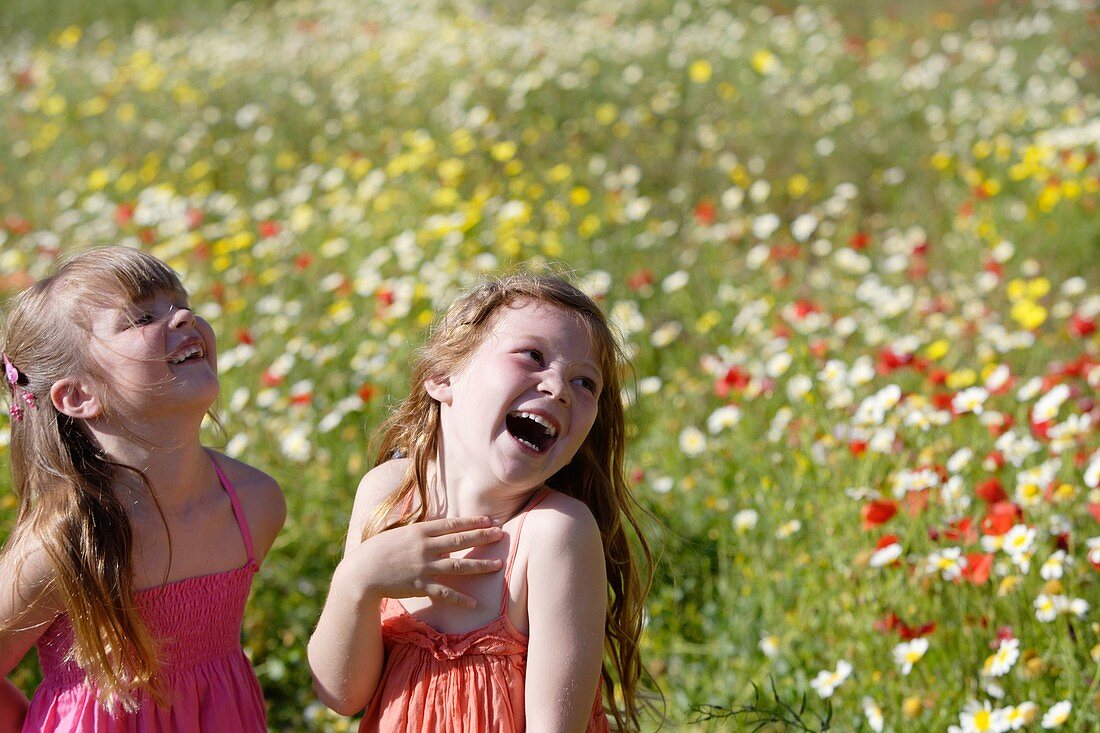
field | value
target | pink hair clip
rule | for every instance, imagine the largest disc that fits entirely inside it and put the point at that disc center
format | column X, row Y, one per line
column 18, row 393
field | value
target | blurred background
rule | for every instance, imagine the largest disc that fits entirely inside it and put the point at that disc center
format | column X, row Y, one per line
column 853, row 248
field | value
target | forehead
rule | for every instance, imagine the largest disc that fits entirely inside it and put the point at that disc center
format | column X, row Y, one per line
column 546, row 322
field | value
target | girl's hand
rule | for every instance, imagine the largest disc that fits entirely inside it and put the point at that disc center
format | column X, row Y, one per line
column 414, row 559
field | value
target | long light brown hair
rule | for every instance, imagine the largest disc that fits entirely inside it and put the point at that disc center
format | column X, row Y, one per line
column 65, row 481
column 595, row 476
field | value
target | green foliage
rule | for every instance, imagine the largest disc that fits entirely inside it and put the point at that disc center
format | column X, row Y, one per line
column 817, row 226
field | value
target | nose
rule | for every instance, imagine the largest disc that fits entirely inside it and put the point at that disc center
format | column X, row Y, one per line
column 182, row 318
column 554, row 385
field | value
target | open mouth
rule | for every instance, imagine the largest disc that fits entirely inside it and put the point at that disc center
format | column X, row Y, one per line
column 190, row 354
column 534, row 431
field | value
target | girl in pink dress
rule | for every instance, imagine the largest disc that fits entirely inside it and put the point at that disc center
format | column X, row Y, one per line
column 135, row 546
column 491, row 579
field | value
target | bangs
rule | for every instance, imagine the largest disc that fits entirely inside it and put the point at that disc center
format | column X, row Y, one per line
column 118, row 276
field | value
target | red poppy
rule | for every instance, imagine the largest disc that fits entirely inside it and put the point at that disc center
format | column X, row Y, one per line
column 991, row 490
column 878, row 511
column 16, row 224
column 916, row 501
column 365, row 391
column 269, row 228
column 735, row 378
column 640, row 279
column 269, row 379
column 995, row 461
column 978, row 565
column 893, row 622
column 705, row 213
column 859, row 240
column 244, row 336
column 943, row 401
column 962, row 531
column 1001, row 517
column 194, row 218
column 124, row 212
column 1079, row 326
column 803, row 308
column 890, row 360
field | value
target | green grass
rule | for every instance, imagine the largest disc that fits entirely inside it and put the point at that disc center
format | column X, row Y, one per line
column 752, row 191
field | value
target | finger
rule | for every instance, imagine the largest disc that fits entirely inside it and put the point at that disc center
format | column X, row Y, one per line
column 465, row 566
column 450, row 525
column 464, row 540
column 447, row 594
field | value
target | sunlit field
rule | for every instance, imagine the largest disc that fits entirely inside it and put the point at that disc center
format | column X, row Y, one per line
column 854, row 250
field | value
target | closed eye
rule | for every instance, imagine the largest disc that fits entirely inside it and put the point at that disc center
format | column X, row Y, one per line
column 141, row 319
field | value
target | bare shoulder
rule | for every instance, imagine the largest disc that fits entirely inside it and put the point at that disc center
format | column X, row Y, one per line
column 27, row 563
column 29, row 599
column 261, row 498
column 374, row 488
column 559, row 524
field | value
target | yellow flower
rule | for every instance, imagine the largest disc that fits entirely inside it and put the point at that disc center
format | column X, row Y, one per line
column 579, row 196
column 558, row 173
column 1028, row 313
column 69, row 37
column 92, row 107
column 961, row 379
column 503, row 151
column 1049, row 198
column 707, row 321
column 938, row 349
column 764, row 62
column 1038, row 287
column 700, row 71
column 606, row 113
column 54, row 105
column 98, row 179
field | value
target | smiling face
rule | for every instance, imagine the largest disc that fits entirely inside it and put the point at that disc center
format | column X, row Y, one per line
column 521, row 405
column 156, row 354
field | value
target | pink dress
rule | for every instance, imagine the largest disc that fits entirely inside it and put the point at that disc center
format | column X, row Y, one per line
column 198, row 623
column 473, row 682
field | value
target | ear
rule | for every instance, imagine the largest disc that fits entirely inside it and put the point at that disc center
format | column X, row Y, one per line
column 439, row 388
column 74, row 398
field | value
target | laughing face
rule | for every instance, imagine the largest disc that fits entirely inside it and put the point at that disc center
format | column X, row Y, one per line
column 523, row 403
column 156, row 353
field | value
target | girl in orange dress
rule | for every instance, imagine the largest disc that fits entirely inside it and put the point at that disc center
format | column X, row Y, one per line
column 492, row 578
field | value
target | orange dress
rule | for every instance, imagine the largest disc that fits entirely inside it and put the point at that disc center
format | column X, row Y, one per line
column 473, row 682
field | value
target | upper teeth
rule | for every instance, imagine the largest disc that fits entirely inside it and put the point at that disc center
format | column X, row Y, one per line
column 550, row 429
column 187, row 354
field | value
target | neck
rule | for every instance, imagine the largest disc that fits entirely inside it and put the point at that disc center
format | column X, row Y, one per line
column 460, row 495
column 174, row 462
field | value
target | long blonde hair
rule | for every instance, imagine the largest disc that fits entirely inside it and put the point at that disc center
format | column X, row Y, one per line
column 63, row 478
column 595, row 476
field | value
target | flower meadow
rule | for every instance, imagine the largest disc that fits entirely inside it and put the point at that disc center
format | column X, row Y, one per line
column 852, row 248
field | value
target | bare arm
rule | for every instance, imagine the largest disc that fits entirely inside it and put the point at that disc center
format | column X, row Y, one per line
column 346, row 652
column 27, row 607
column 13, row 707
column 567, row 605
